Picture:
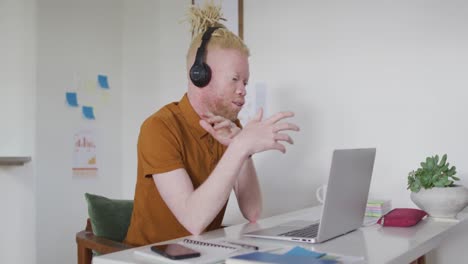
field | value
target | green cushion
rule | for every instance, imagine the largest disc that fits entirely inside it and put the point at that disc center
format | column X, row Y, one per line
column 110, row 218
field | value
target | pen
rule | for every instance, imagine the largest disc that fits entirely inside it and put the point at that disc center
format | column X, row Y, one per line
column 243, row 245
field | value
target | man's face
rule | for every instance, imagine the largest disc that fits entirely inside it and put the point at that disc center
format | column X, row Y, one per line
column 225, row 94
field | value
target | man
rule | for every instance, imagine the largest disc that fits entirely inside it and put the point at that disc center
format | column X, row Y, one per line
column 192, row 153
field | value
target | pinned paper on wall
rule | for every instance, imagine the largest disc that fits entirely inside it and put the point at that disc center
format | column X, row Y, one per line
column 103, row 81
column 90, row 86
column 105, row 96
column 84, row 153
column 88, row 112
column 72, row 99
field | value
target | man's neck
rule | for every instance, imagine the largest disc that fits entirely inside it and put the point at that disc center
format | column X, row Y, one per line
column 196, row 102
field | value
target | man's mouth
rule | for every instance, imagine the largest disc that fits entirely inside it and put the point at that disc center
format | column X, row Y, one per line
column 239, row 103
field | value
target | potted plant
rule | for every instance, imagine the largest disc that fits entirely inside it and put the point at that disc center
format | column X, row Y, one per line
column 433, row 188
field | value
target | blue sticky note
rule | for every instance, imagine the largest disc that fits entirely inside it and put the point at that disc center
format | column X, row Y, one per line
column 88, row 112
column 300, row 251
column 103, row 83
column 72, row 99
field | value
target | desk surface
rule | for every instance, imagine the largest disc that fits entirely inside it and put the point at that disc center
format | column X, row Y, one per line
column 375, row 243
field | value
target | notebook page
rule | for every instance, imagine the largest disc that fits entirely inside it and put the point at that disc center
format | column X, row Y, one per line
column 210, row 252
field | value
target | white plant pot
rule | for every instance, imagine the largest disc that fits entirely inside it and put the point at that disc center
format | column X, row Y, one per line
column 441, row 202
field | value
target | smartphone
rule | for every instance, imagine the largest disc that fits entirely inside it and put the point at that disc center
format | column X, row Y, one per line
column 175, row 251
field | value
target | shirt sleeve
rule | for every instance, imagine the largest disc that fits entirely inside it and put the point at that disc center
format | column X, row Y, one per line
column 158, row 148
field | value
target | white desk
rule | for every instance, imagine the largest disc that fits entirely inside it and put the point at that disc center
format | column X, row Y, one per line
column 375, row 243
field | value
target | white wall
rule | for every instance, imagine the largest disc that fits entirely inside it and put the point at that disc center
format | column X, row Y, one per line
column 76, row 41
column 17, row 50
column 17, row 129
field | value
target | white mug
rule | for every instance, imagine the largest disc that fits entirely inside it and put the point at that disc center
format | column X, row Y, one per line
column 321, row 193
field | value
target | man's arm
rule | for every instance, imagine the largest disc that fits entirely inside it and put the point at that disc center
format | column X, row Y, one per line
column 247, row 189
column 195, row 209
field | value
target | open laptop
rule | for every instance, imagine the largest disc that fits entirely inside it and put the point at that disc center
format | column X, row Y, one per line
column 345, row 201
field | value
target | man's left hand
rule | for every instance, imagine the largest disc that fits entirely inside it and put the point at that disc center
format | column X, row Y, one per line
column 221, row 128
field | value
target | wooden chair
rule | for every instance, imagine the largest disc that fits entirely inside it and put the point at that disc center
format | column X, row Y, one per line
column 87, row 242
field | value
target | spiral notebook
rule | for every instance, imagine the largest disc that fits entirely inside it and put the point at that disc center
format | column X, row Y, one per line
column 212, row 251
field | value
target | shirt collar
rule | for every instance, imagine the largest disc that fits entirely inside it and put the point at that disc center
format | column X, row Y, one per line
column 192, row 118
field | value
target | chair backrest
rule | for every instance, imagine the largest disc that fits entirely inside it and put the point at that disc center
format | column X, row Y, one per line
column 110, row 218
column 105, row 229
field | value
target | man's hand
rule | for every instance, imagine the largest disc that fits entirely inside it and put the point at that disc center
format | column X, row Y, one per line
column 260, row 135
column 222, row 129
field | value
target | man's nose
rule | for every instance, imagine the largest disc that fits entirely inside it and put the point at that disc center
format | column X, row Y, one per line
column 241, row 90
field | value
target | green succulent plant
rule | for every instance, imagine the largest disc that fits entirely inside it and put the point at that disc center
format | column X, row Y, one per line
column 432, row 173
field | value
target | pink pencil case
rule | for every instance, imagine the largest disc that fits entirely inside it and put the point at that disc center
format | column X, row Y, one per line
column 402, row 217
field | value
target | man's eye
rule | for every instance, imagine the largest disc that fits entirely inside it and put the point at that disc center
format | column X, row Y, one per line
column 235, row 79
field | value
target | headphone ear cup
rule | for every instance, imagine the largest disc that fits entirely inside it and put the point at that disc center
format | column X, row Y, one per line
column 200, row 74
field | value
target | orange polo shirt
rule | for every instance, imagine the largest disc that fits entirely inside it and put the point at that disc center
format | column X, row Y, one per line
column 170, row 139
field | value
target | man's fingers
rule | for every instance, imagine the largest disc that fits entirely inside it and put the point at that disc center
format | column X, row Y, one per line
column 285, row 126
column 259, row 115
column 223, row 124
column 234, row 132
column 283, row 137
column 278, row 116
column 215, row 119
column 207, row 126
column 279, row 147
column 207, row 114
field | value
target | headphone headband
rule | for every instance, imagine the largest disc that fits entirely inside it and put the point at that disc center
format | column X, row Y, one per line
column 200, row 72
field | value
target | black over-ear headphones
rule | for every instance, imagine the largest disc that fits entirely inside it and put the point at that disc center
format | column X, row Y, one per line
column 200, row 73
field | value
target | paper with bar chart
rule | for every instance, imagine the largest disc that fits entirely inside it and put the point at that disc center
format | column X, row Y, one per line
column 84, row 154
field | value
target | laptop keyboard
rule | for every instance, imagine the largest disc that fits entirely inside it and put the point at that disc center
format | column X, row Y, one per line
column 308, row 231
